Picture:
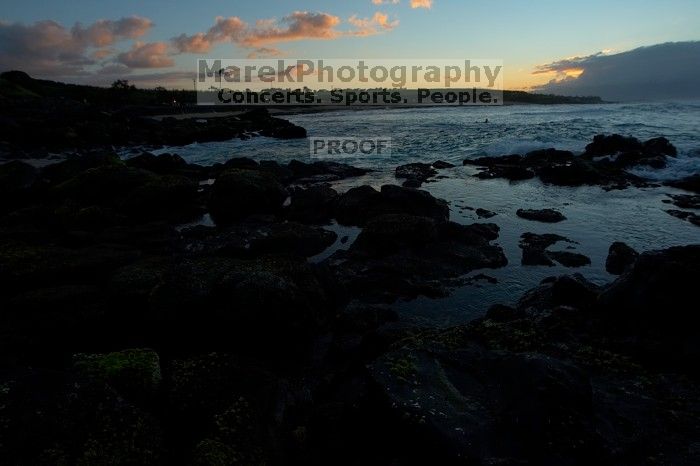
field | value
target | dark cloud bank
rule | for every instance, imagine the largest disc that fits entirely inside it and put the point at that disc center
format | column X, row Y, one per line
column 667, row 71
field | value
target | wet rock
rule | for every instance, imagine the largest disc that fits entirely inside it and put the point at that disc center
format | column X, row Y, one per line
column 512, row 173
column 439, row 164
column 542, row 215
column 386, row 234
column 358, row 205
column 161, row 164
column 312, row 205
column 690, row 183
column 545, row 157
column 620, row 258
column 250, row 239
column 566, row 290
column 483, row 213
column 415, row 173
column 238, row 193
column 576, row 172
column 685, row 201
column 383, row 265
column 569, row 259
column 322, row 171
column 660, row 146
column 612, row 144
column 684, row 215
column 534, row 248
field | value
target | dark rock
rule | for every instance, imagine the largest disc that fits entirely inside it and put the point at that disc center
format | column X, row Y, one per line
column 163, row 164
column 238, row 193
column 250, row 239
column 385, row 234
column 383, row 265
column 661, row 146
column 576, row 172
column 685, row 201
column 419, row 172
column 352, row 206
column 54, row 418
column 412, row 183
column 104, row 185
column 511, row 173
column 566, row 290
column 453, row 400
column 322, row 171
column 512, row 160
column 167, row 197
column 613, row 144
column 312, row 205
column 439, row 164
column 569, row 259
column 534, row 248
column 690, row 183
column 545, row 157
column 620, row 258
column 16, row 176
column 360, row 204
column 658, row 280
column 361, row 317
column 543, row 215
column 483, row 213
column 76, row 164
column 241, row 162
column 684, row 215
column 135, row 373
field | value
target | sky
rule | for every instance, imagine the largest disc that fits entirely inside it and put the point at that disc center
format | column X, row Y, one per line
column 541, row 42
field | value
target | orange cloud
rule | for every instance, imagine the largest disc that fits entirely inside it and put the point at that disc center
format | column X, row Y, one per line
column 146, row 55
column 374, row 25
column 299, row 25
column 421, row 4
column 106, row 32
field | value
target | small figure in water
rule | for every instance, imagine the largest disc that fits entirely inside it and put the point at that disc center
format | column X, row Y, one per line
column 486, row 120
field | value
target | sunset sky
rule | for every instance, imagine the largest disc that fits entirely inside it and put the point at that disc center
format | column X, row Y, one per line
column 157, row 41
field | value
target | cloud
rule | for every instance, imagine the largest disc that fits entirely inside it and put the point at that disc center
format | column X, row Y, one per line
column 224, row 30
column 146, row 55
column 386, row 2
column 265, row 52
column 299, row 25
column 47, row 47
column 374, row 25
column 663, row 71
column 421, row 4
column 106, row 32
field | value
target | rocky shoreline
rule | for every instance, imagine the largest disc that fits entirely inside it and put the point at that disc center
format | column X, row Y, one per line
column 134, row 333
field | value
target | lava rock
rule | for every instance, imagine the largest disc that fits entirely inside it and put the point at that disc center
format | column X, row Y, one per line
column 542, row 215
column 620, row 258
column 238, row 193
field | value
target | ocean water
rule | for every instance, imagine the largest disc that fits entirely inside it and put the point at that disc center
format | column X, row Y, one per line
column 596, row 218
